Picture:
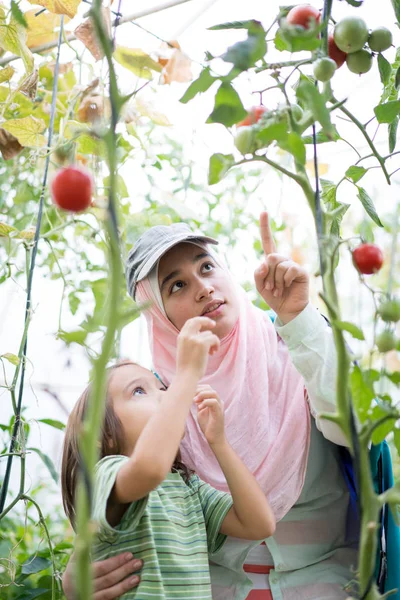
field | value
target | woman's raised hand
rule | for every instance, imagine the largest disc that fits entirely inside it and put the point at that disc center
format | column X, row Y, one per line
column 283, row 284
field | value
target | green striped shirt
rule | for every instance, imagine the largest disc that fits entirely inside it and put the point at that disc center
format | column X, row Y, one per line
column 173, row 530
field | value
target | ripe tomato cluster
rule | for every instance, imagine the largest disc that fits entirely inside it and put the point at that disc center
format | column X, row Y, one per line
column 347, row 43
column 72, row 189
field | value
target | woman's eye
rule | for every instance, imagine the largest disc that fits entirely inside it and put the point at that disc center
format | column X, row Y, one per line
column 139, row 391
column 178, row 285
column 207, row 267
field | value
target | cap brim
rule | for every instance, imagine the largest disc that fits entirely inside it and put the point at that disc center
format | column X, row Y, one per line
column 159, row 252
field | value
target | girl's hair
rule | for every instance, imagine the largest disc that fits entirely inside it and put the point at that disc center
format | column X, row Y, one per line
column 110, row 443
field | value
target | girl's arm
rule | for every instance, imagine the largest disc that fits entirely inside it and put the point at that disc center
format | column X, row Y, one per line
column 251, row 516
column 158, row 444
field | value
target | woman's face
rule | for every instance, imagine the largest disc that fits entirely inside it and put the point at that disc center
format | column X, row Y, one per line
column 192, row 285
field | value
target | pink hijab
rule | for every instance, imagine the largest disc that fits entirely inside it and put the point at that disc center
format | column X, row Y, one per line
column 267, row 419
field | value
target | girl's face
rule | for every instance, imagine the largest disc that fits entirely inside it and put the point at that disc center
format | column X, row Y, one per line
column 135, row 395
column 192, row 285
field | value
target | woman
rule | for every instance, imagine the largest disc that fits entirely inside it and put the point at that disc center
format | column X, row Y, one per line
column 269, row 384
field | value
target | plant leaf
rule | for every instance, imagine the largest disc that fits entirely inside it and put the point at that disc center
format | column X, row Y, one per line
column 295, row 146
column 53, row 423
column 137, row 61
column 27, row 130
column 13, row 38
column 362, row 394
column 246, row 53
column 385, row 69
column 35, row 565
column 235, row 25
column 396, row 8
column 355, row 173
column 6, row 74
column 59, row 7
column 18, row 14
column 219, row 166
column 309, row 95
column 228, row 108
column 199, row 85
column 350, row 328
column 368, row 205
column 69, row 337
column 12, row 358
column 387, row 112
column 392, row 131
column 48, row 462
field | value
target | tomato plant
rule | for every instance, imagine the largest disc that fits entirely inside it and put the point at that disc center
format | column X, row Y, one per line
column 368, row 258
column 386, row 341
column 380, row 39
column 389, row 311
column 253, row 116
column 350, row 34
column 335, row 53
column 303, row 15
column 324, row 69
column 72, row 189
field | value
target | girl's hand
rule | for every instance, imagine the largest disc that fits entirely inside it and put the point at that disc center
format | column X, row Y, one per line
column 210, row 414
column 283, row 284
column 195, row 343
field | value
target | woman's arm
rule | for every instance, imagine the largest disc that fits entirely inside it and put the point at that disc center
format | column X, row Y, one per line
column 312, row 349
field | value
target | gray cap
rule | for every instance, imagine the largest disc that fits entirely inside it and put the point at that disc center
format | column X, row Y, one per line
column 152, row 245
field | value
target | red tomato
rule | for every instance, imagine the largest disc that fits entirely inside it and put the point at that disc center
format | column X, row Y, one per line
column 303, row 15
column 253, row 116
column 72, row 188
column 368, row 258
column 334, row 53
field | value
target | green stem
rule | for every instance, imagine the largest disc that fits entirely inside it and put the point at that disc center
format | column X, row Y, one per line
column 281, row 65
column 42, row 521
column 95, row 412
column 370, row 143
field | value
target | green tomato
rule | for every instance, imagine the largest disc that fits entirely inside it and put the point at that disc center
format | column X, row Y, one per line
column 324, row 69
column 245, row 140
column 386, row 341
column 389, row 311
column 297, row 111
column 350, row 35
column 359, row 62
column 380, row 39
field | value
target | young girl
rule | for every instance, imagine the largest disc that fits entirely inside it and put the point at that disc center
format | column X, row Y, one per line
column 145, row 500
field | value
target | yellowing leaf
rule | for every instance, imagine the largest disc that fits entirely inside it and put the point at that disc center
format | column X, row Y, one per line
column 6, row 229
column 12, row 358
column 145, row 109
column 178, row 68
column 137, row 61
column 27, row 130
column 6, row 74
column 9, row 145
column 42, row 29
column 85, row 32
column 59, row 7
column 13, row 38
column 27, row 234
column 323, row 168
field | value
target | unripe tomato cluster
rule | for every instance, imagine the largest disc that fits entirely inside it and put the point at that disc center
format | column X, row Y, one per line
column 368, row 259
column 350, row 42
column 246, row 140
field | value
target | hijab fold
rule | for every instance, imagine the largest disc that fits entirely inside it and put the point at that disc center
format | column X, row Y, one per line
column 267, row 419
